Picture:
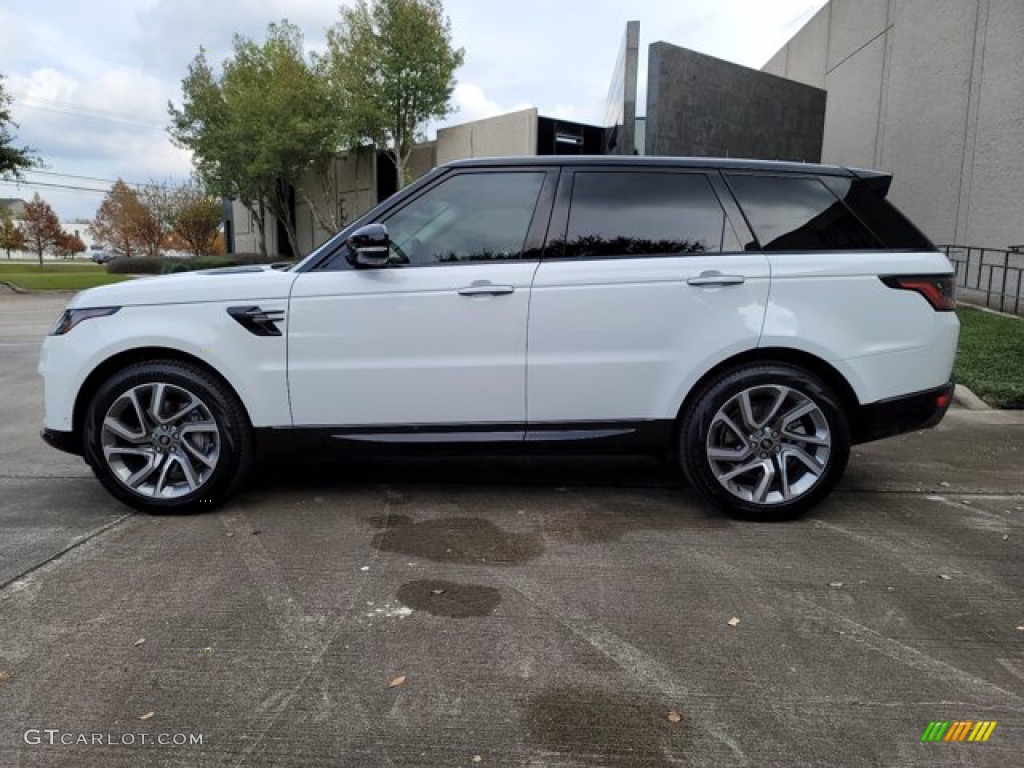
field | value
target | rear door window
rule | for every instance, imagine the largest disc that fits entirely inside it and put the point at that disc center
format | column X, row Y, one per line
column 799, row 213
column 615, row 214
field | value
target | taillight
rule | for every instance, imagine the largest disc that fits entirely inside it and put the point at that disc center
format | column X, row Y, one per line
column 938, row 290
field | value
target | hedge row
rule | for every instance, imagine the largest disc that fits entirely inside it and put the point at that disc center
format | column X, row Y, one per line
column 147, row 265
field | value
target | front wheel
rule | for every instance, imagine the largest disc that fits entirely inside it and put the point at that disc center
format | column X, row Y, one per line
column 767, row 441
column 166, row 436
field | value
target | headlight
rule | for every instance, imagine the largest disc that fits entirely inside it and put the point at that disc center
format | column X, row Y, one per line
column 73, row 317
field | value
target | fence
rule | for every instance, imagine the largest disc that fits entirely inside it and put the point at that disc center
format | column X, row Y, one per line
column 989, row 276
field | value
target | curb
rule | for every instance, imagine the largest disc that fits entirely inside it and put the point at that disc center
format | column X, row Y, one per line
column 18, row 291
column 963, row 397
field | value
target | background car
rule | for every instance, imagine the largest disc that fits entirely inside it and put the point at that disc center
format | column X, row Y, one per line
column 100, row 254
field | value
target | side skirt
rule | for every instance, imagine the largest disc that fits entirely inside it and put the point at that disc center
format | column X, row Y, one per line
column 622, row 437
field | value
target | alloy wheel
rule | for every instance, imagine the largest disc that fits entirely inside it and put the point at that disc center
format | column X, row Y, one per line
column 769, row 444
column 160, row 441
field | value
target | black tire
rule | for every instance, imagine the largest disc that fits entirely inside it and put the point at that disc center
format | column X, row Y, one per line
column 201, row 487
column 706, row 434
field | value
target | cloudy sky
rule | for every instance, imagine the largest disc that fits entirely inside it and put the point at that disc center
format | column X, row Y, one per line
column 91, row 80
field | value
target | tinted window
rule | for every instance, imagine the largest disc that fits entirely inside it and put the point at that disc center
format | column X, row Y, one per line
column 616, row 214
column 798, row 214
column 866, row 198
column 468, row 217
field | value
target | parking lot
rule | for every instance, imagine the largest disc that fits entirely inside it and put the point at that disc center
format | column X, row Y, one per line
column 508, row 612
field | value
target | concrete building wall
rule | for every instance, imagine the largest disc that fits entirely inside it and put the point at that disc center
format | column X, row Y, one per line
column 422, row 160
column 510, row 135
column 698, row 105
column 930, row 90
column 246, row 239
column 349, row 192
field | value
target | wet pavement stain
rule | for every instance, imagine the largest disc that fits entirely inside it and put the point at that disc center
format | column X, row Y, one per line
column 462, row 540
column 601, row 729
column 586, row 521
column 449, row 599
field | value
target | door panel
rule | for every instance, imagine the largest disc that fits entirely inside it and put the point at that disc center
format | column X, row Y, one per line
column 624, row 339
column 402, row 346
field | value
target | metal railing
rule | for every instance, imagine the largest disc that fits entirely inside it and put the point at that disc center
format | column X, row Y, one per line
column 990, row 276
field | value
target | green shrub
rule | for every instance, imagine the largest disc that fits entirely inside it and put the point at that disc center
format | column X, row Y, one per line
column 135, row 265
column 172, row 266
column 145, row 265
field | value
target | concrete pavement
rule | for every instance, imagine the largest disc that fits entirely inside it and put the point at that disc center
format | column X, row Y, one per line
column 525, row 612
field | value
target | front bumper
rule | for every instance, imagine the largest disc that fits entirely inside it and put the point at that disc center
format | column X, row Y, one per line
column 906, row 413
column 62, row 441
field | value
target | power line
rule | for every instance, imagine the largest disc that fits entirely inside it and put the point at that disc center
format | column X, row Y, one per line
column 58, row 102
column 52, row 186
column 87, row 114
column 96, row 178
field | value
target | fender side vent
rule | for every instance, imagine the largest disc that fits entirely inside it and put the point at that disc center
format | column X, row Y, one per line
column 258, row 321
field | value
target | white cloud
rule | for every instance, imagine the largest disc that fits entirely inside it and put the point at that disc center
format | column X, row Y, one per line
column 110, row 126
column 12, row 32
column 471, row 103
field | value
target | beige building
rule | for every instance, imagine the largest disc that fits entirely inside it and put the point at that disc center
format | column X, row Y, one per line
column 932, row 90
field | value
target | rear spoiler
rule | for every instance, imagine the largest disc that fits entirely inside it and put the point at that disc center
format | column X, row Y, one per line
column 875, row 181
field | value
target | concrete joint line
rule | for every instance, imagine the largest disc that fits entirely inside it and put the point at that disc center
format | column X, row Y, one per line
column 76, row 544
column 911, row 657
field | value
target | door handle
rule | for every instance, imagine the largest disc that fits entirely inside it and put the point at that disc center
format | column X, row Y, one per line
column 484, row 288
column 711, row 279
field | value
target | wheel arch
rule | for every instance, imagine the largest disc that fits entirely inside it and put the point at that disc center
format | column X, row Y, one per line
column 128, row 357
column 821, row 368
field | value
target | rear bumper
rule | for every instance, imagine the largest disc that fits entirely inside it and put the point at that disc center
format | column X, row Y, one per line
column 906, row 413
column 62, row 441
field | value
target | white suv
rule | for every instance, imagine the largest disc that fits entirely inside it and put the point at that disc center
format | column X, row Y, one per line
column 753, row 319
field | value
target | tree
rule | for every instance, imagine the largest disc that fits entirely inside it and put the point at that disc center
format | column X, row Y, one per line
column 68, row 245
column 13, row 160
column 197, row 219
column 41, row 227
column 260, row 126
column 125, row 224
column 206, row 126
column 392, row 66
column 11, row 237
column 153, row 227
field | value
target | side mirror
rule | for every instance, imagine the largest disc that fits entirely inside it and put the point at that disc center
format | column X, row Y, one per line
column 368, row 246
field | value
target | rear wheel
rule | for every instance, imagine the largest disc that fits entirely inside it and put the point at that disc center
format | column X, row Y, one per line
column 166, row 436
column 767, row 441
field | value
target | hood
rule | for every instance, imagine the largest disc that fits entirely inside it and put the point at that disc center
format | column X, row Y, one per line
column 227, row 284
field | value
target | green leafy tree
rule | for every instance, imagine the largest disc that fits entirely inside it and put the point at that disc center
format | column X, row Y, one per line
column 257, row 129
column 11, row 236
column 41, row 227
column 13, row 160
column 392, row 66
column 212, row 129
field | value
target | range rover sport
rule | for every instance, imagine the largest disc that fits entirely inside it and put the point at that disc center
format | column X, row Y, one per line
column 752, row 319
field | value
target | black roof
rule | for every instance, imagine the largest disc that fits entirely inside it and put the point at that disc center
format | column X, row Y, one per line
column 717, row 163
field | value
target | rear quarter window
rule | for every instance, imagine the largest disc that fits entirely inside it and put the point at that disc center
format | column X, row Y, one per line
column 799, row 214
column 866, row 198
